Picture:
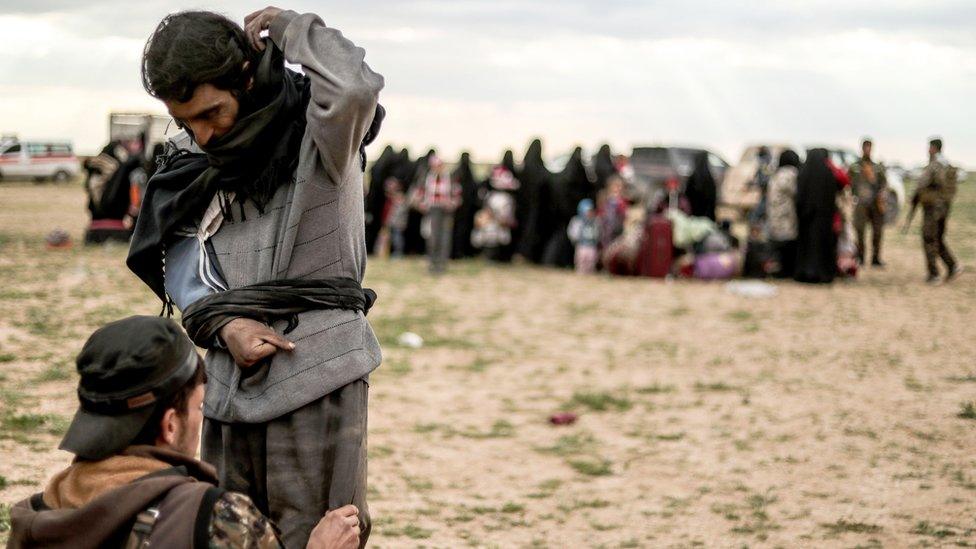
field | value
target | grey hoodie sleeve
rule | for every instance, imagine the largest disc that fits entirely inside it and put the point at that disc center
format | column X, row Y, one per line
column 344, row 89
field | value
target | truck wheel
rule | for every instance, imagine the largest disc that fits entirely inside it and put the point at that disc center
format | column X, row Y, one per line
column 61, row 176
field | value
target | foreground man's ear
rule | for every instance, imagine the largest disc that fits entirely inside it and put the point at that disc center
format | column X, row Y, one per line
column 169, row 427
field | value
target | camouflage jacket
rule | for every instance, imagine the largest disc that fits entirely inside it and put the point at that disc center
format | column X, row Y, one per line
column 867, row 180
column 238, row 524
column 936, row 185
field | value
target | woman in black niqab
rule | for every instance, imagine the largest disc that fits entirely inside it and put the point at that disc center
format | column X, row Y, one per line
column 816, row 206
column 700, row 189
column 568, row 187
column 532, row 209
column 381, row 169
column 413, row 239
column 603, row 166
column 461, row 246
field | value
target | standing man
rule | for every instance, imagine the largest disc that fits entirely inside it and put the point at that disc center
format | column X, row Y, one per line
column 935, row 191
column 870, row 188
column 254, row 228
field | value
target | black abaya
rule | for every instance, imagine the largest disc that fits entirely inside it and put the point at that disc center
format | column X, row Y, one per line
column 413, row 240
column 376, row 196
column 461, row 246
column 816, row 206
column 567, row 189
column 603, row 167
column 700, row 188
column 533, row 212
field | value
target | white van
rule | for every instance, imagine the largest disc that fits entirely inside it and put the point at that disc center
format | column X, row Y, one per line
column 53, row 160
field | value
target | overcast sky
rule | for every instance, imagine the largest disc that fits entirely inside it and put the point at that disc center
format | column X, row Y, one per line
column 484, row 75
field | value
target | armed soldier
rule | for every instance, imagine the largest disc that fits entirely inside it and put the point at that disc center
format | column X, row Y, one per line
column 870, row 188
column 935, row 191
column 134, row 481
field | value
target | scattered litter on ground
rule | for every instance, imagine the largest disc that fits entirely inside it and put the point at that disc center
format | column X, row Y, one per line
column 563, row 418
column 58, row 238
column 751, row 288
column 410, row 339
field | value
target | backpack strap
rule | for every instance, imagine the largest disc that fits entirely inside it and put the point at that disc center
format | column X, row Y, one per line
column 37, row 502
column 201, row 528
column 139, row 536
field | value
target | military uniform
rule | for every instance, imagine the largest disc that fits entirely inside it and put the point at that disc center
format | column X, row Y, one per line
column 869, row 185
column 935, row 191
column 237, row 523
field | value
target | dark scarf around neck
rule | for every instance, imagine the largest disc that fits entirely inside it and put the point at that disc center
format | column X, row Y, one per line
column 253, row 160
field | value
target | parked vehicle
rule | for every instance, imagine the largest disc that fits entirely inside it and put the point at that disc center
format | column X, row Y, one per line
column 654, row 166
column 147, row 129
column 38, row 160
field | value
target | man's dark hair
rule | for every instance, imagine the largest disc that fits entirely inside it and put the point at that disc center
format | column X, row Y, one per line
column 179, row 401
column 190, row 48
column 937, row 143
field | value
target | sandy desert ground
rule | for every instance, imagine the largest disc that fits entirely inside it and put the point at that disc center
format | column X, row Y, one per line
column 823, row 417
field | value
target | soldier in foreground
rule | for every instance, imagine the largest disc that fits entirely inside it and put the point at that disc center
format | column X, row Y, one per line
column 870, row 187
column 134, row 481
column 935, row 191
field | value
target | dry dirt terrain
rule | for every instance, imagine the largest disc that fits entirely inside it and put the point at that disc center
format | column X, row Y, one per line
column 822, row 417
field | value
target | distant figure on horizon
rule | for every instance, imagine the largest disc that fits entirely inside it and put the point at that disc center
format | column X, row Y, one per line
column 700, row 189
column 870, row 187
column 437, row 199
column 935, row 191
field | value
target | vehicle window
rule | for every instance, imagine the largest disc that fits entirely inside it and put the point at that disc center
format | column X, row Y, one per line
column 716, row 162
column 684, row 161
column 651, row 155
column 13, row 149
column 34, row 149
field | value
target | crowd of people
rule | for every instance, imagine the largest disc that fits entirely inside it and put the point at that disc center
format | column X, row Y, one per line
column 527, row 211
column 809, row 222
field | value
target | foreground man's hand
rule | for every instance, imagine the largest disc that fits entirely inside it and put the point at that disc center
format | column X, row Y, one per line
column 338, row 529
column 250, row 341
column 257, row 22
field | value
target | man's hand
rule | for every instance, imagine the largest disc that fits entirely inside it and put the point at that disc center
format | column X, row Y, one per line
column 250, row 341
column 257, row 22
column 338, row 529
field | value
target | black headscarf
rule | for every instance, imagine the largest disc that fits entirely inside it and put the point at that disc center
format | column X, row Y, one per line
column 403, row 168
column 571, row 185
column 534, row 204
column 413, row 239
column 376, row 196
column 464, row 216
column 816, row 192
column 700, row 189
column 508, row 162
column 816, row 187
column 603, row 166
column 789, row 158
column 568, row 187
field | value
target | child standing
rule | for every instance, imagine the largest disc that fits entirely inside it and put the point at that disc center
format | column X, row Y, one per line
column 584, row 233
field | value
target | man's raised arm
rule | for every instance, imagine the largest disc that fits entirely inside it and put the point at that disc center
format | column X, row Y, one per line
column 344, row 89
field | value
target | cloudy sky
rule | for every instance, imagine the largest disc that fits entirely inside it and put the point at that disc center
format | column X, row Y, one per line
column 484, row 75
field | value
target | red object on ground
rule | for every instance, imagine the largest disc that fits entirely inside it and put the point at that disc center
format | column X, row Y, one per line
column 563, row 418
column 654, row 259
